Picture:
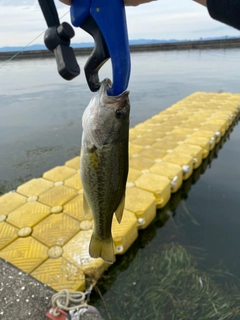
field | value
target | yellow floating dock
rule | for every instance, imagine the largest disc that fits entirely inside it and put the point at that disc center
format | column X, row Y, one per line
column 43, row 230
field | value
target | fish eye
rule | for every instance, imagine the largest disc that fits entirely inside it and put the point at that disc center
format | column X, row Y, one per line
column 119, row 113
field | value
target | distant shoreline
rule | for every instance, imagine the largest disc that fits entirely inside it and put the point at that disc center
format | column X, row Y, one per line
column 186, row 45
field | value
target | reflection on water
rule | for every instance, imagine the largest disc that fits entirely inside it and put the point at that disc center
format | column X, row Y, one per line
column 40, row 128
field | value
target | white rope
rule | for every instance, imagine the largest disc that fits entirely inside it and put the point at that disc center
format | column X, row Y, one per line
column 62, row 299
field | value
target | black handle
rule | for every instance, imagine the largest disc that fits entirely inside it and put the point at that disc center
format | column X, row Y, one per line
column 67, row 65
column 57, row 39
column 50, row 12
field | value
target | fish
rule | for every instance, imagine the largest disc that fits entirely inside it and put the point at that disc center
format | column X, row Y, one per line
column 104, row 165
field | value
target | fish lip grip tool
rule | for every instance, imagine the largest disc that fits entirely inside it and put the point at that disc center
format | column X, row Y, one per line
column 105, row 21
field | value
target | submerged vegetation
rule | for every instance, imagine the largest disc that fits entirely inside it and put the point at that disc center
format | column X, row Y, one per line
column 169, row 286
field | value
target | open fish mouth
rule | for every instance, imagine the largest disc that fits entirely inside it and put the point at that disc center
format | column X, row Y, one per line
column 107, row 100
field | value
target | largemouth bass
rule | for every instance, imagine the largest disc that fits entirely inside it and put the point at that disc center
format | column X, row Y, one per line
column 104, row 165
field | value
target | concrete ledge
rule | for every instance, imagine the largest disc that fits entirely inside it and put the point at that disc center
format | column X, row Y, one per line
column 187, row 45
column 22, row 296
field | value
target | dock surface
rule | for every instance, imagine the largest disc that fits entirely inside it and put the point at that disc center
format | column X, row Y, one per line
column 43, row 230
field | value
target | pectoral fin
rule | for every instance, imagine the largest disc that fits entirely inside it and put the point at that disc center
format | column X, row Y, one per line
column 119, row 211
column 86, row 208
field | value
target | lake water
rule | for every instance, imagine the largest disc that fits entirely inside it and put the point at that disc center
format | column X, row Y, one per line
column 40, row 127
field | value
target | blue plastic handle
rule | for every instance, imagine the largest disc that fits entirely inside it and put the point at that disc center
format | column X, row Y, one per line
column 111, row 19
column 79, row 11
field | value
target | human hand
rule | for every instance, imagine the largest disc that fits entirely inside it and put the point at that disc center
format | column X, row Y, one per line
column 133, row 3
column 69, row 2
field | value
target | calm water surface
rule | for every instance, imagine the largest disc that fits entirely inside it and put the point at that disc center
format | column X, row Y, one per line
column 40, row 127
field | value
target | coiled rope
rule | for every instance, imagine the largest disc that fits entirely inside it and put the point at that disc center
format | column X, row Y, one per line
column 62, row 299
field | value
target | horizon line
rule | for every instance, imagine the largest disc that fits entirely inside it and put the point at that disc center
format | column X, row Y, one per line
column 130, row 40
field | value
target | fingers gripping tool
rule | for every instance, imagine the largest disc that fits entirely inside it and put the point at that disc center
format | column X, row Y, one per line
column 105, row 21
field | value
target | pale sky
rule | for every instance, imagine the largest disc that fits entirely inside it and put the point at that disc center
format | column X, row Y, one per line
column 22, row 21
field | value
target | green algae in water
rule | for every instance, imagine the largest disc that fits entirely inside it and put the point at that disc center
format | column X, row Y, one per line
column 169, row 287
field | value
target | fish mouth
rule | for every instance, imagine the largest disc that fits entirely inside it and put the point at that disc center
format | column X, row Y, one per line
column 103, row 96
column 104, row 86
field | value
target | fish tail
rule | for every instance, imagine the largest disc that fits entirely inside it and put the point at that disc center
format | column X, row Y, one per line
column 100, row 248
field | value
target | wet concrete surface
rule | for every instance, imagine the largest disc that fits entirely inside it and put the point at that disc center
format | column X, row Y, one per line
column 21, row 296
